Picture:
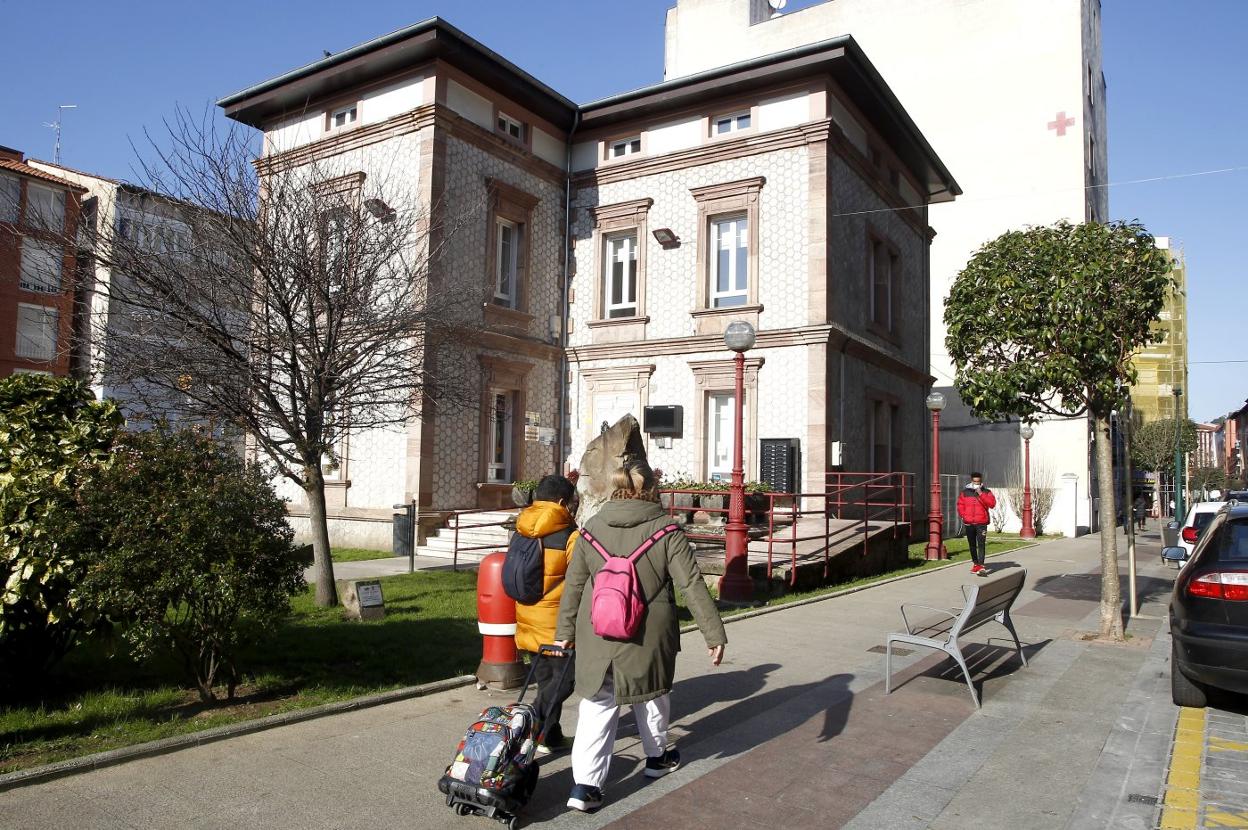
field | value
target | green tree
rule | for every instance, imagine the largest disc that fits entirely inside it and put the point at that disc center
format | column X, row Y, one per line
column 1204, row 479
column 1045, row 320
column 1152, row 447
column 190, row 551
column 54, row 439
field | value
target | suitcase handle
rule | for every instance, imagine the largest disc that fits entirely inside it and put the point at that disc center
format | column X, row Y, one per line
column 546, row 652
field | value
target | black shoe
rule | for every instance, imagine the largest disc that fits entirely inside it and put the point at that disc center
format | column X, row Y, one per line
column 662, row 765
column 583, row 798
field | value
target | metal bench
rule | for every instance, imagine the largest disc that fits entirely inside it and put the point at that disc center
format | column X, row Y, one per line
column 987, row 601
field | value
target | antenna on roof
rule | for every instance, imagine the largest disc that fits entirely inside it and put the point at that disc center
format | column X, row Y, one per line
column 56, row 125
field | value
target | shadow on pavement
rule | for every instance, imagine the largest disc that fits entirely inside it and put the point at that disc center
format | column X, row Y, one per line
column 779, row 710
column 984, row 660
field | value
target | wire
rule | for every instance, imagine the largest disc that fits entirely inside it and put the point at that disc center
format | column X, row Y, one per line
column 1148, row 180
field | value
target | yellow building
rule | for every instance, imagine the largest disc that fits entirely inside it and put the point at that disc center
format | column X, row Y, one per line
column 1162, row 364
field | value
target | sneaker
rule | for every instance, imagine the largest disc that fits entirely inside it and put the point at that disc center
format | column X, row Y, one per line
column 976, row 568
column 662, row 765
column 983, row 571
column 583, row 798
column 541, row 751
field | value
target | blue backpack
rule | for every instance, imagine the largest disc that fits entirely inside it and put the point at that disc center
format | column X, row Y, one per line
column 524, row 567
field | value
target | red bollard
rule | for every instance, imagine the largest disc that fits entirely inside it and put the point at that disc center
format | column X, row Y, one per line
column 496, row 620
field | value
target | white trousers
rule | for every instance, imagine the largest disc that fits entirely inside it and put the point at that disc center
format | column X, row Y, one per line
column 595, row 732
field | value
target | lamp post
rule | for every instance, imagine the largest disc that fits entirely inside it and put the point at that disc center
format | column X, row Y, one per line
column 1028, row 531
column 735, row 585
column 1179, row 512
column 935, row 522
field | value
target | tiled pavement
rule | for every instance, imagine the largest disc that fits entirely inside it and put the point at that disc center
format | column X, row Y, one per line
column 1207, row 784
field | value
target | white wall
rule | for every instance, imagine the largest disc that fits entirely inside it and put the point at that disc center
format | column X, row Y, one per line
column 470, row 105
column 395, row 99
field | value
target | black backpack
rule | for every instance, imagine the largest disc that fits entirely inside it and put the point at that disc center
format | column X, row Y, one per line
column 524, row 568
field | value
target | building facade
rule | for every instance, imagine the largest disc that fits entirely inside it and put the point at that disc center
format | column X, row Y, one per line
column 990, row 83
column 1161, row 365
column 38, row 221
column 612, row 243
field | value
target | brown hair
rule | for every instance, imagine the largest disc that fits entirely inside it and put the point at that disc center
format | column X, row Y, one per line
column 634, row 481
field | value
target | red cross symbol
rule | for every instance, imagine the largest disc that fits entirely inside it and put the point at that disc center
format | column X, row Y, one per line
column 1062, row 123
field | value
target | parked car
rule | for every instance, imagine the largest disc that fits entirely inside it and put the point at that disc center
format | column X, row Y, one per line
column 1209, row 612
column 1198, row 518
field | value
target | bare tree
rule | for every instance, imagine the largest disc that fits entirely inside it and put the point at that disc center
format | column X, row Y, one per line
column 291, row 303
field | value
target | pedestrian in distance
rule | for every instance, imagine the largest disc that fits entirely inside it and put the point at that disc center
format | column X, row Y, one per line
column 626, row 645
column 973, row 505
column 550, row 519
column 1140, row 507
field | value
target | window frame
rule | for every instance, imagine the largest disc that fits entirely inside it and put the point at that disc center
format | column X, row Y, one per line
column 15, row 200
column 507, row 255
column 742, row 197
column 509, row 203
column 49, row 314
column 57, row 255
column 734, row 278
column 503, row 124
column 613, row 221
column 634, row 144
column 734, row 118
column 611, row 304
column 877, row 243
column 506, row 377
column 332, row 114
column 32, row 219
column 506, row 471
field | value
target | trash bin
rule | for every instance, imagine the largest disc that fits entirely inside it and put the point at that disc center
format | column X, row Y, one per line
column 1170, row 535
column 401, row 535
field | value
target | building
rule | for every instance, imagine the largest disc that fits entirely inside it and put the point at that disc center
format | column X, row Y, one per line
column 113, row 209
column 631, row 230
column 1161, row 365
column 1206, row 452
column 38, row 221
column 990, row 83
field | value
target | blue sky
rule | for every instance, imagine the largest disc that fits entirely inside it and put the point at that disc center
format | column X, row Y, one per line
column 1176, row 73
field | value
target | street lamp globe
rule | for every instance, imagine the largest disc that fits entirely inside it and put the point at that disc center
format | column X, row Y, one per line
column 1027, row 432
column 739, row 336
column 936, row 401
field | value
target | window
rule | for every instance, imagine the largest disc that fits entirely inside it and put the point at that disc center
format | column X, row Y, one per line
column 41, row 266
column 10, row 198
column 627, row 147
column 620, row 274
column 507, row 250
column 510, row 127
column 734, row 123
column 1092, row 156
column 36, row 332
column 45, row 207
column 498, row 469
column 336, row 233
column 154, row 234
column 882, row 265
column 720, row 414
column 343, row 117
column 1091, row 89
column 730, row 261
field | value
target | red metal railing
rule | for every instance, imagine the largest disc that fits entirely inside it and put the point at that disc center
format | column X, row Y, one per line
column 454, row 523
column 871, row 497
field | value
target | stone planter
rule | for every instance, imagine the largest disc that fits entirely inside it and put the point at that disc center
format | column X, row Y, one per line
column 713, row 503
column 521, row 498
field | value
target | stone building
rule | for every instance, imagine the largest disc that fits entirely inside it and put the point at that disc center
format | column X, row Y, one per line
column 1011, row 95
column 611, row 243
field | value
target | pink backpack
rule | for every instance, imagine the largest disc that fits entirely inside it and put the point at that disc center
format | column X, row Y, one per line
column 617, row 603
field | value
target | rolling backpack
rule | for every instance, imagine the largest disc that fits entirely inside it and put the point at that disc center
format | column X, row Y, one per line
column 524, row 566
column 617, row 604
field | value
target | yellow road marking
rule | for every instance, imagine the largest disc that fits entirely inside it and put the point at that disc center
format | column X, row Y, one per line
column 1226, row 819
column 1182, row 802
column 1223, row 745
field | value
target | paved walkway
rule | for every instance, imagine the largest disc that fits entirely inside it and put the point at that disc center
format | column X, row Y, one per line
column 794, row 728
column 388, row 566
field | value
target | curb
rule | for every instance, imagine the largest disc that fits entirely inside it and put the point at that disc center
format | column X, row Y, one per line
column 99, row 760
column 772, row 609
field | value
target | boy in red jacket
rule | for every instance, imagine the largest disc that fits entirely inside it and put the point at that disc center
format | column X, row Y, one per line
column 973, row 506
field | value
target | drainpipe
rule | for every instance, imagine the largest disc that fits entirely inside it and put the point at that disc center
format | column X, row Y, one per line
column 564, row 390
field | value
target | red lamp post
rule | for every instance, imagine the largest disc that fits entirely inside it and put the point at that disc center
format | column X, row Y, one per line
column 1028, row 531
column 935, row 521
column 735, row 585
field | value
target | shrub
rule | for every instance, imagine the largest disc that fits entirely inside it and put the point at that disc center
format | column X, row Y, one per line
column 54, row 439
column 192, row 552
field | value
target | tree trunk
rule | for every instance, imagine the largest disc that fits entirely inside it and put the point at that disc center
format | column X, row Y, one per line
column 1111, row 597
column 314, row 489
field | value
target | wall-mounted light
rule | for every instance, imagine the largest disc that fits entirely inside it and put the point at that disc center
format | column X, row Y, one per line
column 379, row 209
column 666, row 238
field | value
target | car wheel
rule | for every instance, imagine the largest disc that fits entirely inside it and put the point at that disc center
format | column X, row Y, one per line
column 1184, row 692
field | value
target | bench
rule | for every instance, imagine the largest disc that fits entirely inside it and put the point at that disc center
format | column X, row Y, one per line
column 987, row 601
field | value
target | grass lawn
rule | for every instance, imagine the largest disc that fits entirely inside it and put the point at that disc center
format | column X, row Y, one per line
column 101, row 700
column 358, row 554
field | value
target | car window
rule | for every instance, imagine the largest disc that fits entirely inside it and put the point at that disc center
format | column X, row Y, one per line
column 1232, row 541
column 1201, row 520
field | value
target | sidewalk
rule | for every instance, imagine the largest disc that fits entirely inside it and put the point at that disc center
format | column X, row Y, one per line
column 794, row 728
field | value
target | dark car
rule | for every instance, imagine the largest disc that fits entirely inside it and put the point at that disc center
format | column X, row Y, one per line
column 1209, row 612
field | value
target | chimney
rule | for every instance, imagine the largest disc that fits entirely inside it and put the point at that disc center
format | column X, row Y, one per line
column 11, row 154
